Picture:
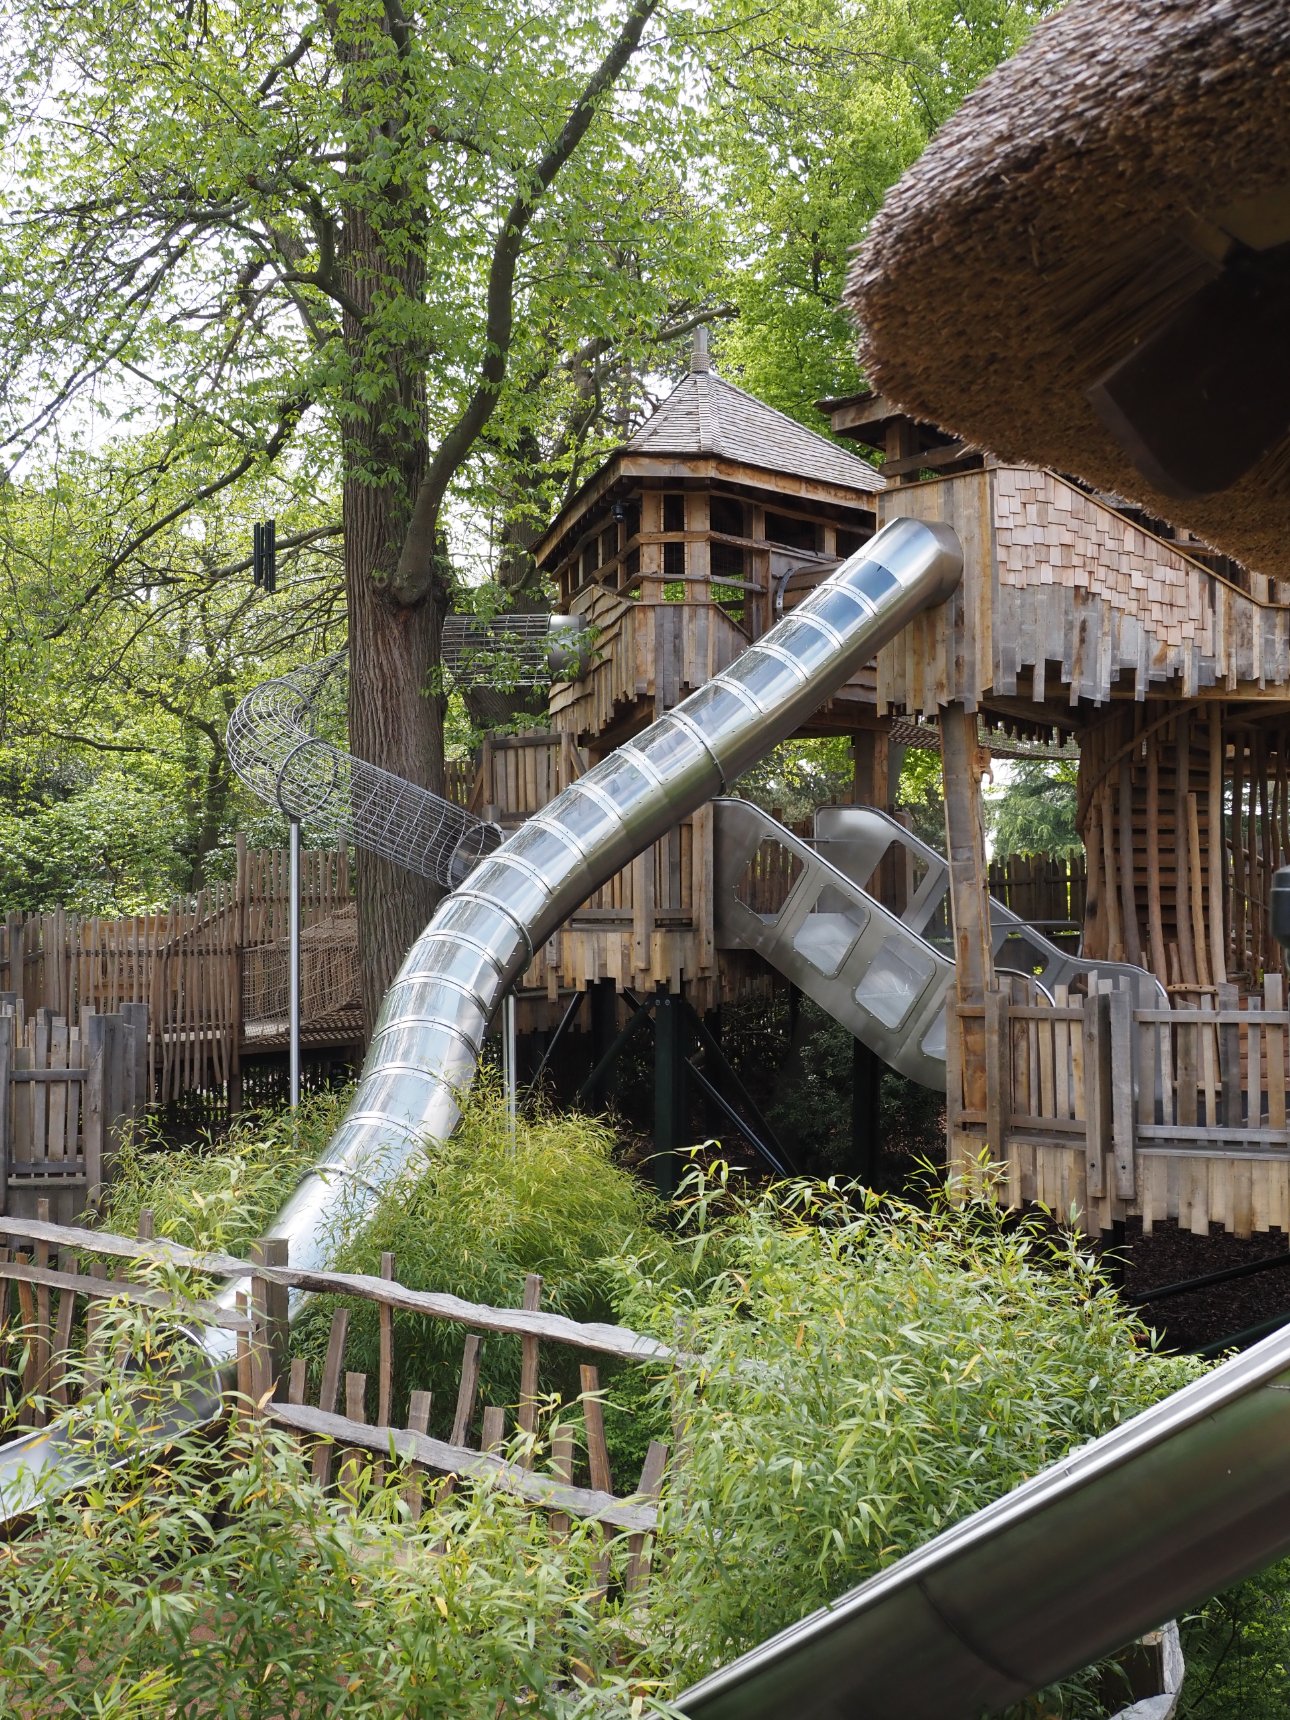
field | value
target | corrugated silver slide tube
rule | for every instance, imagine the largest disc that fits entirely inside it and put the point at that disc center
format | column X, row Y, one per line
column 432, row 1022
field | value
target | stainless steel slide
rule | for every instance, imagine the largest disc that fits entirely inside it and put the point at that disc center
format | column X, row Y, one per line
column 882, row 974
column 432, row 1023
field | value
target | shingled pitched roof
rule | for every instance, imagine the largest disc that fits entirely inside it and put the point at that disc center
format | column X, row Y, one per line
column 704, row 414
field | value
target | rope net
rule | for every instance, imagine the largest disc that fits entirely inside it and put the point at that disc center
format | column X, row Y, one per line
column 275, row 746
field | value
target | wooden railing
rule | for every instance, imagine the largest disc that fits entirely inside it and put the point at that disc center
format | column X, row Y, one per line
column 1166, row 1113
column 40, row 1266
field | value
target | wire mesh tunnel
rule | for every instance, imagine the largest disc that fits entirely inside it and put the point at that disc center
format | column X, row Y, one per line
column 514, row 649
column 275, row 746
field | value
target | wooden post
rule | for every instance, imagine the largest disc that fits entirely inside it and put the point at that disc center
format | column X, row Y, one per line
column 113, row 1090
column 92, row 1131
column 6, row 1068
column 269, row 1340
column 1123, row 1122
column 969, row 901
column 998, row 1086
column 1098, row 1122
column 135, row 1016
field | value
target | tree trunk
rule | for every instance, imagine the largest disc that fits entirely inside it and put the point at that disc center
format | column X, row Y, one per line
column 395, row 705
column 396, row 722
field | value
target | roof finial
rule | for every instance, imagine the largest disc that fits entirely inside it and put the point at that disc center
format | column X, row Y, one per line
column 700, row 358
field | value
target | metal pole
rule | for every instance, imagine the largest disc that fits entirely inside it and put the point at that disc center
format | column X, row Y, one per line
column 509, row 1073
column 293, row 965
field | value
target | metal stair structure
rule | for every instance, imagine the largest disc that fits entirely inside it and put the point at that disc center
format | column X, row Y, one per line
column 882, row 973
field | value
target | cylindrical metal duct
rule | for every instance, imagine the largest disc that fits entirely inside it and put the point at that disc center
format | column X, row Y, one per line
column 273, row 747
column 432, row 1022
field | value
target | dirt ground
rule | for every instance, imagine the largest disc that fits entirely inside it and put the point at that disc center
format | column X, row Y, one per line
column 1219, row 1311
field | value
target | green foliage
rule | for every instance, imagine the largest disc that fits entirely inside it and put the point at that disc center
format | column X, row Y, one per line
column 1237, row 1650
column 818, row 109
column 1035, row 812
column 484, row 1214
column 213, row 1578
column 866, row 1375
column 220, row 1194
column 798, row 776
column 108, row 849
column 921, row 795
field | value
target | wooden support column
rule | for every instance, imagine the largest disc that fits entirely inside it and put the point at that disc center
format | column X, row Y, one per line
column 969, row 897
column 671, row 1096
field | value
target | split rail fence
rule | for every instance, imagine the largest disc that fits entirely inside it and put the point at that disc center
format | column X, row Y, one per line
column 51, row 1332
column 1091, row 1103
column 211, row 969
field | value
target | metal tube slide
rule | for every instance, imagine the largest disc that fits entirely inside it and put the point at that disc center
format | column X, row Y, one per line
column 432, row 1022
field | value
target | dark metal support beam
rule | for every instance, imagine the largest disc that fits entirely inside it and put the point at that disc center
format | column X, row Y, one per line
column 566, row 1021
column 671, row 1070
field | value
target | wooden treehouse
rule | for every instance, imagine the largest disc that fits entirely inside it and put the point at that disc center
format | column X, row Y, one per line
column 1170, row 667
column 1079, row 620
column 688, row 544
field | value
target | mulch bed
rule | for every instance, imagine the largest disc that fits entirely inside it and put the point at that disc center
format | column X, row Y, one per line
column 1220, row 1311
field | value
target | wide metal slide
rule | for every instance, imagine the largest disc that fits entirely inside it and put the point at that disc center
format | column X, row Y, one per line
column 882, row 972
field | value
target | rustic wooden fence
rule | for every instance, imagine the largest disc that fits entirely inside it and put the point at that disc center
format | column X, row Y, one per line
column 51, row 1323
column 67, row 1092
column 211, row 968
column 1177, row 1113
column 1047, row 893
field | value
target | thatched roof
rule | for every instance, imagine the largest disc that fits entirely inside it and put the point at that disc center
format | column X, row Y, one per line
column 1108, row 196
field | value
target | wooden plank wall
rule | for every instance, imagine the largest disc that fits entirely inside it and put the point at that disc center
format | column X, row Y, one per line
column 1046, row 892
column 1061, row 590
column 187, row 963
column 67, row 1092
column 1184, row 808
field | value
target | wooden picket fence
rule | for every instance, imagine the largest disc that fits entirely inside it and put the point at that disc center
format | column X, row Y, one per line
column 67, row 1092
column 1047, row 893
column 1179, row 1112
column 50, row 1303
column 211, row 968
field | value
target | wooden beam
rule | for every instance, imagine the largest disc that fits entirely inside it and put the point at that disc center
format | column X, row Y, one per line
column 969, row 900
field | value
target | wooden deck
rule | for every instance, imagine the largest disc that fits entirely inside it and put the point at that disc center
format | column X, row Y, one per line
column 1064, row 599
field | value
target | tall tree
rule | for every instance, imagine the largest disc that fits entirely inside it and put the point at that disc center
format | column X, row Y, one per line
column 819, row 109
column 278, row 236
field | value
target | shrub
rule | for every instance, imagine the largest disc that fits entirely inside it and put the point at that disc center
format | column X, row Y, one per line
column 216, row 1580
column 220, row 1194
column 486, row 1212
column 1238, row 1652
column 864, row 1376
